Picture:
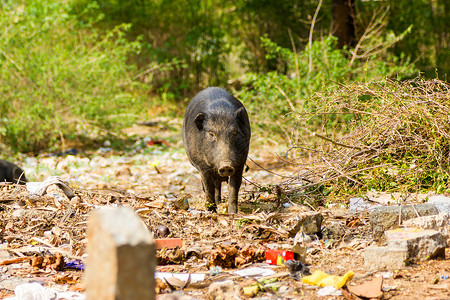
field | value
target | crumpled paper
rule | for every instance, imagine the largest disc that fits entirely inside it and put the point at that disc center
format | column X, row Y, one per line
column 35, row 291
column 39, row 188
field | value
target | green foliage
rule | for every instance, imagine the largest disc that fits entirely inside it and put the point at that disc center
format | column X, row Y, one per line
column 287, row 93
column 188, row 39
column 59, row 75
column 428, row 22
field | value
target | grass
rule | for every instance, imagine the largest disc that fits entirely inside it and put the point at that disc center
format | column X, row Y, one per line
column 62, row 79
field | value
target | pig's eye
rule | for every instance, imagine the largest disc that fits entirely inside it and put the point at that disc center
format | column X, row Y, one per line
column 211, row 136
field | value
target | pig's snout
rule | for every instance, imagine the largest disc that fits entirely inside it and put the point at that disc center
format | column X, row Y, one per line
column 226, row 170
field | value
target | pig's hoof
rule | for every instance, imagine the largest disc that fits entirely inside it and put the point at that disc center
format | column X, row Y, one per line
column 211, row 207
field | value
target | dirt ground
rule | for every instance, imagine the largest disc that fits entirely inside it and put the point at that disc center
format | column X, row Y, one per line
column 158, row 182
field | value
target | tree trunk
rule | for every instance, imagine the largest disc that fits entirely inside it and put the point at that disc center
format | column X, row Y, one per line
column 343, row 22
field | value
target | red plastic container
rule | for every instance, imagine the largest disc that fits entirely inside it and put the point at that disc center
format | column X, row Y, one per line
column 272, row 256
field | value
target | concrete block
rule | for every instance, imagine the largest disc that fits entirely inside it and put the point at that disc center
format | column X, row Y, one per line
column 420, row 244
column 384, row 218
column 440, row 222
column 121, row 256
column 441, row 202
column 309, row 223
column 384, row 258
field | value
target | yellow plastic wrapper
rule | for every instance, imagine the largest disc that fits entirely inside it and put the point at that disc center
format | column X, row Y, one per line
column 251, row 291
column 322, row 279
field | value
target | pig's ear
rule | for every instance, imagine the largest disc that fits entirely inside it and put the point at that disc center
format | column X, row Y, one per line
column 199, row 120
column 240, row 115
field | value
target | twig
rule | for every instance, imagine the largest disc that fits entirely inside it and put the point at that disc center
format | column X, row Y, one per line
column 15, row 260
column 342, row 173
column 310, row 35
column 297, row 72
column 287, row 98
column 336, row 143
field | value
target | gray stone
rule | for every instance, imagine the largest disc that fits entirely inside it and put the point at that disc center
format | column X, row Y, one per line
column 310, row 223
column 334, row 230
column 121, row 256
column 440, row 222
column 420, row 244
column 224, row 290
column 441, row 202
column 384, row 258
column 384, row 218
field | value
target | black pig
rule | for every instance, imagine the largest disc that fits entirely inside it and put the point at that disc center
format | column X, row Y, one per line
column 9, row 172
column 216, row 135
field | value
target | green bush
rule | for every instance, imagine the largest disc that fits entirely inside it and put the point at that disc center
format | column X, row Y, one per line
column 276, row 99
column 61, row 78
column 188, row 39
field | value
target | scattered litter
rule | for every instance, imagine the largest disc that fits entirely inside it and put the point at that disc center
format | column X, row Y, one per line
column 195, row 277
column 296, row 269
column 278, row 257
column 329, row 291
column 71, row 151
column 387, row 288
column 358, row 204
column 387, row 274
column 75, row 264
column 301, row 238
column 272, row 286
column 254, row 272
column 251, row 290
column 175, row 283
column 215, row 270
column 322, row 279
column 212, row 243
column 39, row 188
column 35, row 291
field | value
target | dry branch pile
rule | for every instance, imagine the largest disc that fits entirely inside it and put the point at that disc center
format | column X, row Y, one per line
column 385, row 136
